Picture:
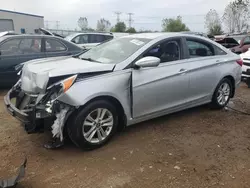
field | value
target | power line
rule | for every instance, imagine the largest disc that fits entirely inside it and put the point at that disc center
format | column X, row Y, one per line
column 130, row 20
column 118, row 16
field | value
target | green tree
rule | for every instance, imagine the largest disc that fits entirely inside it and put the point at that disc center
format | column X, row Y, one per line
column 103, row 25
column 236, row 16
column 174, row 25
column 131, row 30
column 119, row 27
column 213, row 23
column 89, row 29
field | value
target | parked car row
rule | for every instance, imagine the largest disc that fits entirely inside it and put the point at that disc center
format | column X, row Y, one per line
column 118, row 83
column 17, row 49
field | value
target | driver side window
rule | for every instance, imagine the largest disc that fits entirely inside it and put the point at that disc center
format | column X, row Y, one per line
column 166, row 51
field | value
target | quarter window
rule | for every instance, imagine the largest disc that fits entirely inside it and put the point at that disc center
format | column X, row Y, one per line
column 219, row 51
column 199, row 49
column 54, row 46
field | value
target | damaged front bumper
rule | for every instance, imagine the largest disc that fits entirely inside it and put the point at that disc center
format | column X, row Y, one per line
column 31, row 110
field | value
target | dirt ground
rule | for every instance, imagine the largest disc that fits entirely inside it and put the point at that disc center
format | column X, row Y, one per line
column 194, row 148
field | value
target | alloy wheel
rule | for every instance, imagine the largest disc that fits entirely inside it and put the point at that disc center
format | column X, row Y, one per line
column 223, row 93
column 98, row 125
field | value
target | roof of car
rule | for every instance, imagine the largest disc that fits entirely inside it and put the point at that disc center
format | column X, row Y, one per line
column 29, row 35
column 156, row 35
column 92, row 33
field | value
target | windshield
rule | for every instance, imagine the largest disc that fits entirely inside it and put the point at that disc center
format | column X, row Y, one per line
column 115, row 51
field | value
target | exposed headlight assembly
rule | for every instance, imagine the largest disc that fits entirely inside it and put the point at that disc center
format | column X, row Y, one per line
column 55, row 90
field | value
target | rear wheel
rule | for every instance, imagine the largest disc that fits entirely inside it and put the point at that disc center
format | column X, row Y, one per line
column 94, row 125
column 222, row 94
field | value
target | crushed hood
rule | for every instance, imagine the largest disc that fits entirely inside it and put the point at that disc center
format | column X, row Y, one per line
column 36, row 73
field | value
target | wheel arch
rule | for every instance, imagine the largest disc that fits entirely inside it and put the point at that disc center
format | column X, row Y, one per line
column 121, row 113
column 231, row 78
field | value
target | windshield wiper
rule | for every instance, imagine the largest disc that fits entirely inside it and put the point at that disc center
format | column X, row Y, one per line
column 90, row 59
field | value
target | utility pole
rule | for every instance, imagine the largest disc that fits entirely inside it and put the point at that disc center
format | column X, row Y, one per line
column 118, row 16
column 57, row 24
column 130, row 20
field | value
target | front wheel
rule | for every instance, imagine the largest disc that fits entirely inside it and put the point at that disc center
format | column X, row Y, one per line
column 222, row 94
column 94, row 125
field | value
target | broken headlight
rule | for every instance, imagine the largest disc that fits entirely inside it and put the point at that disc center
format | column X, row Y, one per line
column 61, row 87
column 56, row 90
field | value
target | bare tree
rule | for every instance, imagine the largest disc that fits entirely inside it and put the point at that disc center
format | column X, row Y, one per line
column 236, row 16
column 83, row 23
column 213, row 23
column 103, row 25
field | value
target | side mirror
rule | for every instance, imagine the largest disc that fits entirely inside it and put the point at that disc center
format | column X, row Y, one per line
column 149, row 61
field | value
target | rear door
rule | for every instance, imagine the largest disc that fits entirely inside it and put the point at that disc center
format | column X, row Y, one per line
column 205, row 60
column 55, row 47
column 15, row 51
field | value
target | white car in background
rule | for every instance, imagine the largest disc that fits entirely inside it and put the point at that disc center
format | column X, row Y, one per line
column 89, row 40
column 246, row 67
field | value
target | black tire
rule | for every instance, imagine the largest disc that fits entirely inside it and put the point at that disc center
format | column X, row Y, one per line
column 75, row 126
column 215, row 104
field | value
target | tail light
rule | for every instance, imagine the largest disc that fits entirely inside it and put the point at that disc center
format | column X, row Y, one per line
column 240, row 62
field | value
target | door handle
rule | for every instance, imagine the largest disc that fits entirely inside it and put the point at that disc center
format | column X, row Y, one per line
column 182, row 71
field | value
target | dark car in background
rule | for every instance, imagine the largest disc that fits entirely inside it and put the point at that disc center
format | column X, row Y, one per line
column 228, row 42
column 17, row 49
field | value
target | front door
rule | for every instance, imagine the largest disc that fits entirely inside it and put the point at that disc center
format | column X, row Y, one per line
column 157, row 89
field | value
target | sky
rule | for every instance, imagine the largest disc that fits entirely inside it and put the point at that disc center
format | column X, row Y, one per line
column 147, row 14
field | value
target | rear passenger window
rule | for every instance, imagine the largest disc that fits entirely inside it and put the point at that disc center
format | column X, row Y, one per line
column 54, row 46
column 30, row 46
column 199, row 49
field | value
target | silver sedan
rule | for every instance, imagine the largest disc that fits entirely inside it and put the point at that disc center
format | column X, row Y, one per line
column 122, row 82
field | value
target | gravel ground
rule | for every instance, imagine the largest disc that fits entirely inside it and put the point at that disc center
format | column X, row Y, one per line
column 194, row 148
